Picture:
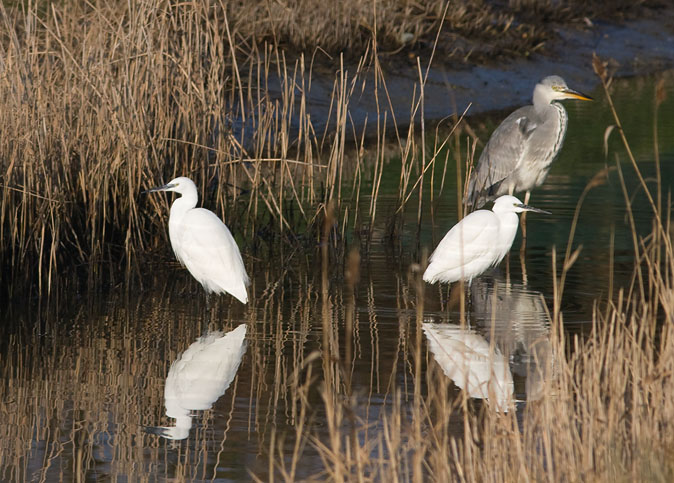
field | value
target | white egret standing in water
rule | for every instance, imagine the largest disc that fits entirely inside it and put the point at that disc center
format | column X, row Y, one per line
column 477, row 242
column 203, row 243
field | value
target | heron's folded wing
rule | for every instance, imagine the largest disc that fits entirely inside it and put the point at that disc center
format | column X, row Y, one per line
column 503, row 153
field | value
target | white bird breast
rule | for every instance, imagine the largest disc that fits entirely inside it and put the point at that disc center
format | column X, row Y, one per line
column 208, row 250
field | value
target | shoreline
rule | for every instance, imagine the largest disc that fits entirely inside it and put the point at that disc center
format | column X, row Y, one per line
column 636, row 47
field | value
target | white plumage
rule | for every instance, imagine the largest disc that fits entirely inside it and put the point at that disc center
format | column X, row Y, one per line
column 477, row 242
column 204, row 244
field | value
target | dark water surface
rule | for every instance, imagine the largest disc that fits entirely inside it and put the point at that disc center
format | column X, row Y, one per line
column 83, row 391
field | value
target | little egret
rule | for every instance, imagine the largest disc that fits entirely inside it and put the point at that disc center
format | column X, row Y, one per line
column 198, row 378
column 203, row 243
column 519, row 152
column 477, row 242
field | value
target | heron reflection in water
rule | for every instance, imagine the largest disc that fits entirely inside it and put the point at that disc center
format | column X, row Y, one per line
column 521, row 328
column 471, row 363
column 198, row 378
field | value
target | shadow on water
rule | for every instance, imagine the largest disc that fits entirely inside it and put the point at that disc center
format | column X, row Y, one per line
column 81, row 385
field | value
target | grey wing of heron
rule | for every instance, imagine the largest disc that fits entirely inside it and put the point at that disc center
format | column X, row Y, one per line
column 502, row 155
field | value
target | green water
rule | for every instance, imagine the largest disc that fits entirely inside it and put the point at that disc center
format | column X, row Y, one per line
column 82, row 385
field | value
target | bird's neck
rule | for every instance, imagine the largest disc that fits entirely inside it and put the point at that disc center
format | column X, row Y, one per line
column 180, row 431
column 561, row 128
column 179, row 209
column 184, row 422
column 183, row 204
column 542, row 98
column 508, row 224
column 509, row 220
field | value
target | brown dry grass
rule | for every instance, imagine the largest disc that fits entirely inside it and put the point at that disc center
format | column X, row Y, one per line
column 100, row 101
column 603, row 414
column 470, row 28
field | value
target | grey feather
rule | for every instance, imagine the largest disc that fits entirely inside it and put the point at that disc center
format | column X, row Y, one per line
column 519, row 152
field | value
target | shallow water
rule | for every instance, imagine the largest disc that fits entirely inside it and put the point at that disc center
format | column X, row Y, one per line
column 83, row 388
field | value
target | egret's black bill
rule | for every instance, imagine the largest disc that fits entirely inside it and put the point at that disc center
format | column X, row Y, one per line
column 159, row 188
column 535, row 210
column 158, row 430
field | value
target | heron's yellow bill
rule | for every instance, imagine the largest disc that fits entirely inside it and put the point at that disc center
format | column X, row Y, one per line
column 577, row 95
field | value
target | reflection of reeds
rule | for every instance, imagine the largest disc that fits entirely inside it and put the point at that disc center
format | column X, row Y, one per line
column 310, row 401
column 76, row 396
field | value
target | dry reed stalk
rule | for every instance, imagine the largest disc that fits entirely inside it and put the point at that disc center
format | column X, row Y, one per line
column 110, row 122
column 98, row 98
column 100, row 101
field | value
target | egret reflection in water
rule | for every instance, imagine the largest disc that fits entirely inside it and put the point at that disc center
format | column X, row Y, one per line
column 198, row 378
column 521, row 327
column 485, row 360
column 468, row 359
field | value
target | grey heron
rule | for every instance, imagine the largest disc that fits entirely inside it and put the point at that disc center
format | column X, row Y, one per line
column 519, row 152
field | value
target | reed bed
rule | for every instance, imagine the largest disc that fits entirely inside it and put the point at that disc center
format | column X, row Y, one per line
column 101, row 101
column 337, row 383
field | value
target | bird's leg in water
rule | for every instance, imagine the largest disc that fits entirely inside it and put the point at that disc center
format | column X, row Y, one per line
column 454, row 298
column 523, row 224
column 511, row 190
column 523, row 263
column 508, row 268
column 523, row 247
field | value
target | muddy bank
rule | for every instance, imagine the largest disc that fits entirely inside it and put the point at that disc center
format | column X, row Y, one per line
column 635, row 47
